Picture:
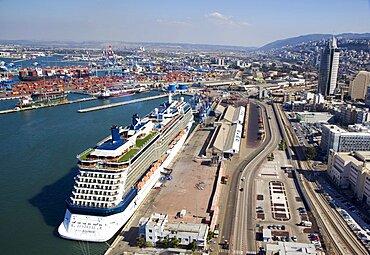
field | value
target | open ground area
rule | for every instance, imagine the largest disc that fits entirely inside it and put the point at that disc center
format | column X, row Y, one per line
column 190, row 188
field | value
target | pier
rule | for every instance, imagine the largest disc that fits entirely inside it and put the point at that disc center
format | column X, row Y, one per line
column 46, row 105
column 97, row 108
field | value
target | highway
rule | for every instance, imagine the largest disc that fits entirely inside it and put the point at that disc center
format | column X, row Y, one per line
column 244, row 229
column 337, row 236
column 238, row 226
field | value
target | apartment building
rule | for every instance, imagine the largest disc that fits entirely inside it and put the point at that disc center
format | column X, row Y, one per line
column 351, row 170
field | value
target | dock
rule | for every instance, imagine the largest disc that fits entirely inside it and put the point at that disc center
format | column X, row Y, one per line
column 97, row 108
column 10, row 98
column 46, row 105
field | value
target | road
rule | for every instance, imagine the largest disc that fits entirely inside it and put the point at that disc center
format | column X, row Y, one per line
column 238, row 225
column 244, row 229
column 337, row 236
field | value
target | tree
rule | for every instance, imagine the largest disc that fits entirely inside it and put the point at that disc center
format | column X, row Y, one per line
column 283, row 145
column 310, row 153
column 165, row 242
column 175, row 242
column 210, row 235
column 148, row 244
column 193, row 245
column 140, row 242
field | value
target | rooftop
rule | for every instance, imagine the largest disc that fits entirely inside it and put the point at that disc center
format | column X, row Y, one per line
column 358, row 157
column 229, row 114
column 290, row 248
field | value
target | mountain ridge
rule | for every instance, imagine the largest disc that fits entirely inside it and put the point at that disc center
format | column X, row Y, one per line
column 311, row 37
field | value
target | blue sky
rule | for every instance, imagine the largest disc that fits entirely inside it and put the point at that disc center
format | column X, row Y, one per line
column 229, row 22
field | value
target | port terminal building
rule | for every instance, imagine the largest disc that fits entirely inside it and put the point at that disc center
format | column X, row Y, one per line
column 226, row 139
column 157, row 228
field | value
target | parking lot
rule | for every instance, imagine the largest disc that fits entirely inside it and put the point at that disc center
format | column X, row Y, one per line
column 279, row 208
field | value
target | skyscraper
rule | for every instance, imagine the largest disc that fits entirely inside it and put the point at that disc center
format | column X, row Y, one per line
column 358, row 87
column 328, row 69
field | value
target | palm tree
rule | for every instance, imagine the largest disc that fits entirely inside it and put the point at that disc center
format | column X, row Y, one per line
column 193, row 245
column 165, row 242
column 175, row 242
column 140, row 242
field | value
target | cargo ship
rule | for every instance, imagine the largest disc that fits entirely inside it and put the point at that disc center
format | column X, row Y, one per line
column 118, row 173
column 117, row 92
column 37, row 74
column 41, row 99
column 107, row 93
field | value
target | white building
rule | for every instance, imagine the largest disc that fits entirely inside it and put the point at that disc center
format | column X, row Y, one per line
column 157, row 227
column 290, row 248
column 314, row 117
column 340, row 140
column 351, row 170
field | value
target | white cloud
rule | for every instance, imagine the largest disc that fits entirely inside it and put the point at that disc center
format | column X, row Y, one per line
column 224, row 19
column 172, row 22
column 219, row 16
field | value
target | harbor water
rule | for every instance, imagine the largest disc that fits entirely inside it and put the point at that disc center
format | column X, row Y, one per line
column 38, row 150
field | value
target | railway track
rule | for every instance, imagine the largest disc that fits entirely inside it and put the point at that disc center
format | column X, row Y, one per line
column 342, row 241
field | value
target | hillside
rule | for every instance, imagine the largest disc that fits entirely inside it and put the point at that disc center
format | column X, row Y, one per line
column 311, row 37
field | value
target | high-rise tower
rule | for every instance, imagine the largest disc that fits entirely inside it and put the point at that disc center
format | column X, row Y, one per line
column 328, row 69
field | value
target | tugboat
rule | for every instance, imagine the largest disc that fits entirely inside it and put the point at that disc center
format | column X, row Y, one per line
column 104, row 93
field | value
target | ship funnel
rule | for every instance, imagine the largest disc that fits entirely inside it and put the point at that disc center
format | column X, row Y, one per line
column 170, row 98
column 115, row 133
column 135, row 119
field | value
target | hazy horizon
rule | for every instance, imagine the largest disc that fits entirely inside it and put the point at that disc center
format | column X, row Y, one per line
column 232, row 23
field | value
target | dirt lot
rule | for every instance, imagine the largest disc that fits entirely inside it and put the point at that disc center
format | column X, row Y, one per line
column 191, row 186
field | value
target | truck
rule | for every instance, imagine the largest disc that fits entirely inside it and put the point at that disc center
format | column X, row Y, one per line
column 217, row 230
column 306, row 223
column 224, row 179
column 182, row 213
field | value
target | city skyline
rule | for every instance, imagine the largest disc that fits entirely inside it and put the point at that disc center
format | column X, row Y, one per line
column 242, row 23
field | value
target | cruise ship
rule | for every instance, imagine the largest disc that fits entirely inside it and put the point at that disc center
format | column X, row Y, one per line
column 118, row 173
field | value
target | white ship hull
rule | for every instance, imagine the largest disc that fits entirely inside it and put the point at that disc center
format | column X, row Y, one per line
column 100, row 228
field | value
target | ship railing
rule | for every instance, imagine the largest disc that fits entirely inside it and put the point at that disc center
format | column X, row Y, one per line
column 103, row 167
column 140, row 151
column 85, row 152
column 93, row 180
column 150, row 140
column 104, row 140
column 112, row 178
column 82, row 182
column 109, row 194
column 89, row 188
column 111, row 201
column 120, row 164
column 89, row 160
column 86, row 166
